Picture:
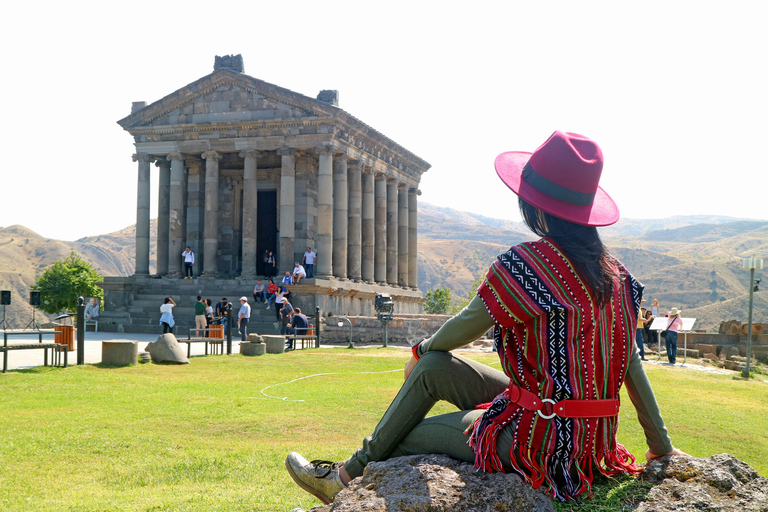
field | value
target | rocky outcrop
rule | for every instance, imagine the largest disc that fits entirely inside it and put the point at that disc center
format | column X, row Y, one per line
column 719, row 483
column 426, row 483
column 432, row 483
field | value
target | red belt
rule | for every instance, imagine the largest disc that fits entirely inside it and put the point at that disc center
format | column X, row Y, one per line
column 548, row 408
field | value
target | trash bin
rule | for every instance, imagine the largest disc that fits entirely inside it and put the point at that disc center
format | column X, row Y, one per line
column 216, row 332
column 65, row 335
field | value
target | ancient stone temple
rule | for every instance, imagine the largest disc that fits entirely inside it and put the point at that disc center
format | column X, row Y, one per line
column 245, row 167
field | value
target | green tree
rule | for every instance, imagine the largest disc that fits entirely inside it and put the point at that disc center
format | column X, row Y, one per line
column 438, row 301
column 460, row 304
column 64, row 281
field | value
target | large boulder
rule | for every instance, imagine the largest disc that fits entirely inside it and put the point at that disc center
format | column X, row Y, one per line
column 426, row 483
column 432, row 483
column 166, row 349
column 719, row 483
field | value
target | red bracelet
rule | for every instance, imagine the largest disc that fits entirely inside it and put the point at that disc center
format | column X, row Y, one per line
column 415, row 350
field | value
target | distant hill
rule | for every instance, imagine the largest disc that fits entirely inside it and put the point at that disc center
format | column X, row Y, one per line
column 693, row 263
column 24, row 255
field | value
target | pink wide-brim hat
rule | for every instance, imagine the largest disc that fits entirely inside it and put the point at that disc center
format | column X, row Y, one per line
column 561, row 178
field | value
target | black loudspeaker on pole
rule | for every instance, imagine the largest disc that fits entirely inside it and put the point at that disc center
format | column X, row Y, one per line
column 34, row 298
column 80, row 331
column 5, row 297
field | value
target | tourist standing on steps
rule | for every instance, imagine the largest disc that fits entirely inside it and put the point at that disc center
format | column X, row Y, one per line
column 189, row 260
column 242, row 318
column 309, row 262
column 562, row 310
column 270, row 264
column 674, row 324
column 166, row 315
column 200, row 308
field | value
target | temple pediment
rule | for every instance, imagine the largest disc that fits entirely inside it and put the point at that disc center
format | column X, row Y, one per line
column 229, row 97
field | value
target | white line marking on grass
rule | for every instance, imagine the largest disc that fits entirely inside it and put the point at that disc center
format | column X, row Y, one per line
column 286, row 399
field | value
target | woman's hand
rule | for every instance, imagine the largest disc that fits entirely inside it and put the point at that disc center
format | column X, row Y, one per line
column 409, row 367
column 650, row 456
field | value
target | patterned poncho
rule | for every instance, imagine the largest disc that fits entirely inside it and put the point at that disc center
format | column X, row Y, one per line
column 556, row 342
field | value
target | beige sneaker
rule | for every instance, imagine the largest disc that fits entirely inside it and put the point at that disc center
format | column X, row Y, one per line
column 318, row 477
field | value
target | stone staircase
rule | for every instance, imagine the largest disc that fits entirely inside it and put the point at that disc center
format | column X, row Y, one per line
column 142, row 315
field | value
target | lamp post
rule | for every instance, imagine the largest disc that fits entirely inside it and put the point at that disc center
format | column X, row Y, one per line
column 341, row 324
column 751, row 264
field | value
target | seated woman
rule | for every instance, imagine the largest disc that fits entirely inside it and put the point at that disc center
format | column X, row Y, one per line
column 564, row 313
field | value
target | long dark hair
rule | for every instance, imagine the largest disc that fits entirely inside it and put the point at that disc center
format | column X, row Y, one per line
column 582, row 245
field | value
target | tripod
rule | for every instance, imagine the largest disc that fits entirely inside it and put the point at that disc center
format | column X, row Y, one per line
column 4, row 324
column 32, row 323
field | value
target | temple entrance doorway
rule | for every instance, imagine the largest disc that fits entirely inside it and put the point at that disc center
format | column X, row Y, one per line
column 266, row 226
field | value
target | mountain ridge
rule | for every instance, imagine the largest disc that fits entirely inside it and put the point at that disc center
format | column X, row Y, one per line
column 693, row 264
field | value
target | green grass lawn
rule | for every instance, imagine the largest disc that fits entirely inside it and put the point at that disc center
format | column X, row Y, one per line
column 213, row 435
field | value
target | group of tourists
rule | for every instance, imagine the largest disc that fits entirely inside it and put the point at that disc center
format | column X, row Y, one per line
column 292, row 320
column 305, row 269
column 644, row 335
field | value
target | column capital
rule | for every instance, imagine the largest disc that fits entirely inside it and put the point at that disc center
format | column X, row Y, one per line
column 142, row 157
column 356, row 163
column 250, row 153
column 162, row 162
column 414, row 191
column 402, row 185
column 341, row 157
column 286, row 151
column 391, row 181
column 175, row 157
column 211, row 155
column 326, row 149
column 367, row 169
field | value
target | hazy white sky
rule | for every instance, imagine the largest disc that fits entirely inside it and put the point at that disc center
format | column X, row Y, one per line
column 673, row 91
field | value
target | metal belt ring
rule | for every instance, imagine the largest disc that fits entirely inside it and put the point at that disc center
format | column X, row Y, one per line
column 544, row 400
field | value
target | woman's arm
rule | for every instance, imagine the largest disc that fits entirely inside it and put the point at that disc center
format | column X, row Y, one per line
column 472, row 322
column 648, row 414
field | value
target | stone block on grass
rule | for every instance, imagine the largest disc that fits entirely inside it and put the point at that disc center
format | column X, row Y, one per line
column 248, row 348
column 275, row 344
column 119, row 352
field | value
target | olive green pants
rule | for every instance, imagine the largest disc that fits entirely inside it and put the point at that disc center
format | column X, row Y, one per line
column 405, row 430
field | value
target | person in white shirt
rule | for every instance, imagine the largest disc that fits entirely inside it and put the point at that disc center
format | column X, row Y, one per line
column 242, row 318
column 309, row 262
column 298, row 273
column 189, row 260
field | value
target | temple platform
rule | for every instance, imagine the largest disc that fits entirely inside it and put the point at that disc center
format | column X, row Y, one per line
column 132, row 304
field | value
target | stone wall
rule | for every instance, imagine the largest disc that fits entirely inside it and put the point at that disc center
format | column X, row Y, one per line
column 403, row 329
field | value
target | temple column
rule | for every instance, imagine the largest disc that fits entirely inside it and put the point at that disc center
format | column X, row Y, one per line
column 163, row 212
column 250, row 194
column 354, row 245
column 142, row 215
column 413, row 239
column 211, row 235
column 367, row 227
column 392, row 235
column 195, row 205
column 380, row 229
column 323, row 265
column 340, row 216
column 287, row 209
column 176, row 214
column 402, row 235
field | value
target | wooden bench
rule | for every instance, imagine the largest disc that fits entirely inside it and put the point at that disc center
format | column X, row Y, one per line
column 214, row 342
column 56, row 348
